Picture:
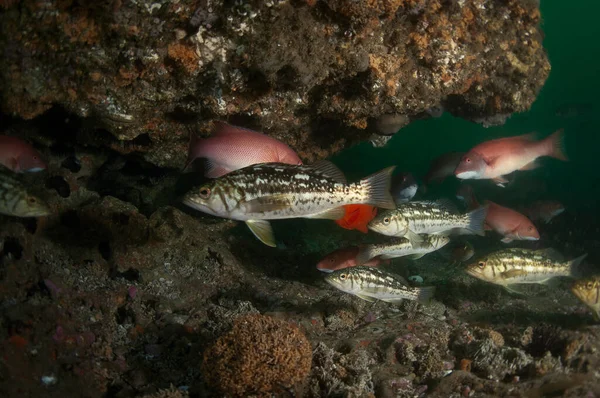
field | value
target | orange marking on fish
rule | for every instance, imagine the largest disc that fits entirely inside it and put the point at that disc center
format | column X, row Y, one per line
column 357, row 217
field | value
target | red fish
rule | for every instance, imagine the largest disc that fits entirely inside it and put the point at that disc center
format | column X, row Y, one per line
column 19, row 156
column 496, row 158
column 357, row 217
column 231, row 148
column 344, row 258
column 443, row 166
column 509, row 223
column 544, row 210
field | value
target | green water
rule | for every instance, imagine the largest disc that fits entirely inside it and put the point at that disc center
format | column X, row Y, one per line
column 570, row 40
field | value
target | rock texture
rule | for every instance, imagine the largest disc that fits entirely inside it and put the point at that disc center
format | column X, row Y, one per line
column 315, row 74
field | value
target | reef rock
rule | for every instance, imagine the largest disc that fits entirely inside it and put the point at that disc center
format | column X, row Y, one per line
column 312, row 73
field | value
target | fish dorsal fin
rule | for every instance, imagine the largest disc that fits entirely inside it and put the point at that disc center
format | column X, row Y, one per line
column 331, row 214
column 266, row 204
column 447, row 204
column 330, row 170
column 263, row 231
column 222, row 128
column 551, row 253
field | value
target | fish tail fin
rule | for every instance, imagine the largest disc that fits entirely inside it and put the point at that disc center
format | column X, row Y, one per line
column 477, row 220
column 425, row 294
column 378, row 189
column 575, row 266
column 364, row 255
column 556, row 145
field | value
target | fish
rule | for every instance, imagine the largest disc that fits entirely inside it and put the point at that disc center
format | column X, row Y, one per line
column 372, row 284
column 544, row 210
column 345, row 258
column 515, row 266
column 497, row 158
column 507, row 222
column 443, row 166
column 401, row 247
column 272, row 191
column 19, row 156
column 426, row 217
column 574, row 110
column 357, row 217
column 588, row 291
column 459, row 252
column 404, row 187
column 15, row 200
column 232, row 148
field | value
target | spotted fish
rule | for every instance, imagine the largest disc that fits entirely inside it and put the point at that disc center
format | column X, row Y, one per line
column 402, row 247
column 16, row 201
column 426, row 217
column 588, row 291
column 274, row 191
column 372, row 284
column 512, row 266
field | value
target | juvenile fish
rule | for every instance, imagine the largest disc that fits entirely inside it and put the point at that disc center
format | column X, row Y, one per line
column 443, row 166
column 372, row 284
column 404, row 187
column 344, row 258
column 16, row 201
column 231, row 148
column 414, row 218
column 357, row 217
column 588, row 291
column 512, row 266
column 402, row 247
column 19, row 156
column 274, row 191
column 459, row 252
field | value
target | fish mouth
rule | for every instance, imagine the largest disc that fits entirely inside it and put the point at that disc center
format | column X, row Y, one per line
column 557, row 212
column 466, row 175
column 323, row 269
column 35, row 169
column 528, row 237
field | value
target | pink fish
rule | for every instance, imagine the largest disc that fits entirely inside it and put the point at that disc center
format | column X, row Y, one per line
column 496, row 158
column 344, row 258
column 443, row 166
column 544, row 210
column 231, row 148
column 509, row 223
column 19, row 156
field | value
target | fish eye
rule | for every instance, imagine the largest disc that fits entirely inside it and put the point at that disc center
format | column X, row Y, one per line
column 386, row 220
column 343, row 276
column 589, row 285
column 530, row 228
column 481, row 264
column 468, row 160
column 205, row 193
column 31, row 199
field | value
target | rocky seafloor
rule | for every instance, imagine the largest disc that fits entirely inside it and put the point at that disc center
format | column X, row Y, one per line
column 123, row 292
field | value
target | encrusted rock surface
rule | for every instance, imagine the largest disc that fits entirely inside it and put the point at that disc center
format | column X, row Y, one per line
column 316, row 74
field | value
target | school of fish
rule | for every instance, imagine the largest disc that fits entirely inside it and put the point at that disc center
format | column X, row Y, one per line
column 255, row 178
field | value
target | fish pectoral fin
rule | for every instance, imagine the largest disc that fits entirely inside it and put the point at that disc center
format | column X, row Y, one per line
column 414, row 237
column 500, row 181
column 213, row 170
column 393, row 300
column 530, row 166
column 365, row 297
column 266, row 204
column 329, row 170
column 513, row 273
column 416, row 256
column 506, row 239
column 331, row 214
column 263, row 231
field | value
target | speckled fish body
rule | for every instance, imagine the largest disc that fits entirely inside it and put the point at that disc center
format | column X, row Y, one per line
column 402, row 247
column 16, row 201
column 588, row 291
column 511, row 266
column 374, row 284
column 413, row 218
column 279, row 191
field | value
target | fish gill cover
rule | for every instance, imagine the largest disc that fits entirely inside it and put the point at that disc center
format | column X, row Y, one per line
column 111, row 286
